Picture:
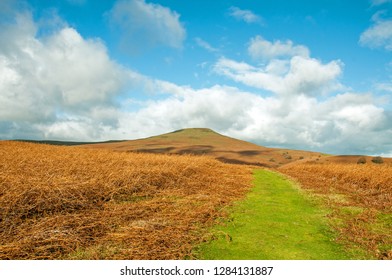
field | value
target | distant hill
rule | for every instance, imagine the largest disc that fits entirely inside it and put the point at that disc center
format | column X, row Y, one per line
column 66, row 143
column 204, row 141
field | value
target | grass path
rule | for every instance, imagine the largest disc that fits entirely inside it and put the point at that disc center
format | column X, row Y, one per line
column 275, row 221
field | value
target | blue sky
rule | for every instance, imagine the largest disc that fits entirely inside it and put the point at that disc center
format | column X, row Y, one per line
column 314, row 75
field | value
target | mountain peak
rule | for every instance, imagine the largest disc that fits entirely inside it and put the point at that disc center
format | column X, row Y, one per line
column 195, row 130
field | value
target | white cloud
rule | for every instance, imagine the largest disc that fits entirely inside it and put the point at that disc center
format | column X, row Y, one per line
column 53, row 78
column 146, row 25
column 352, row 112
column 81, row 69
column 287, row 69
column 261, row 49
column 244, row 15
column 205, row 45
column 297, row 76
column 384, row 87
column 379, row 35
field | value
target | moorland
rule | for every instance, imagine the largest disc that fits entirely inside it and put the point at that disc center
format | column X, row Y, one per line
column 191, row 194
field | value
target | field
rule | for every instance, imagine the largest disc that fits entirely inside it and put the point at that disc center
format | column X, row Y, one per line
column 74, row 203
column 361, row 198
column 155, row 199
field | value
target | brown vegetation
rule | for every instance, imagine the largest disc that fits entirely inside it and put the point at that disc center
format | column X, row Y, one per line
column 377, row 160
column 78, row 203
column 361, row 196
column 74, row 203
column 361, row 160
column 204, row 141
column 349, row 159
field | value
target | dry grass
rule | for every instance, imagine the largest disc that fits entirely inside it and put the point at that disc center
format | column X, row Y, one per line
column 200, row 141
column 75, row 203
column 361, row 196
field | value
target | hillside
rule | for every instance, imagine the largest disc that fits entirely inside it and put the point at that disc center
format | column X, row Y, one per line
column 73, row 203
column 204, row 141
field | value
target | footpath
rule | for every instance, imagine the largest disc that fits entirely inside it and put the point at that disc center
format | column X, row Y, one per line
column 276, row 221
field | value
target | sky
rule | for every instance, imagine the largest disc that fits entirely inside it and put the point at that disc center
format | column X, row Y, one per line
column 312, row 75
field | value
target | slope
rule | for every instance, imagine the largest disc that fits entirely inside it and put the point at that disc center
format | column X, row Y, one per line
column 73, row 203
column 204, row 141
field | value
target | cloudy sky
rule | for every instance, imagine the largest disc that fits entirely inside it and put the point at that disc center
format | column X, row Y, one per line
column 314, row 75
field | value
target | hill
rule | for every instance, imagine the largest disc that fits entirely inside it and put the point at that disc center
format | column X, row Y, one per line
column 64, row 143
column 204, row 141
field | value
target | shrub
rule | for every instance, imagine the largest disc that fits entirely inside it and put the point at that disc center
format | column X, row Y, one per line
column 286, row 155
column 377, row 160
column 361, row 160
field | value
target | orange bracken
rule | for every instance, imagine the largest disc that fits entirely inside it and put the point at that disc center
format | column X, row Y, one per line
column 70, row 202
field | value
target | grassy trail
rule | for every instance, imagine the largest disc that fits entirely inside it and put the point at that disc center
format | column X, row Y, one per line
column 275, row 221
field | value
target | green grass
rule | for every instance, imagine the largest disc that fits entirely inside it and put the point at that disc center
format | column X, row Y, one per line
column 275, row 221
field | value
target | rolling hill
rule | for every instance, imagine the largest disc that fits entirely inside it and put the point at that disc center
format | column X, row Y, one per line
column 204, row 141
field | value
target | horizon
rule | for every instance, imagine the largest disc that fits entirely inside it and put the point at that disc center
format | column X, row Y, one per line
column 73, row 143
column 313, row 76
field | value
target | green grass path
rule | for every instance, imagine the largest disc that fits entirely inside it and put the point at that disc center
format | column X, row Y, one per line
column 275, row 221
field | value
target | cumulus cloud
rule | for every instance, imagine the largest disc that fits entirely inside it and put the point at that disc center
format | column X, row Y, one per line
column 287, row 69
column 47, row 79
column 261, row 49
column 297, row 76
column 244, row 15
column 146, row 25
column 379, row 35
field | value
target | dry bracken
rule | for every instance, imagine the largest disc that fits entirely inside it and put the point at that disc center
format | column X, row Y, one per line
column 75, row 203
column 361, row 196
